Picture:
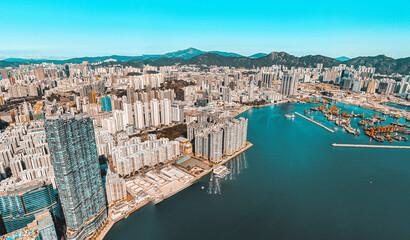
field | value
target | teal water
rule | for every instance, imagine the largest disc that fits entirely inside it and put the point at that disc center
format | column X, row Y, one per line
column 292, row 185
column 398, row 106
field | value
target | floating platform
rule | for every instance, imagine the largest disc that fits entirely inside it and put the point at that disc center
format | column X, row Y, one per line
column 369, row 146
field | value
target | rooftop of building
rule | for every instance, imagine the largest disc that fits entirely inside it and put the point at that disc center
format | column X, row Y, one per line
column 14, row 187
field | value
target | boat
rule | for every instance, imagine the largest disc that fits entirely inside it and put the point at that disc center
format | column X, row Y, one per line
column 221, row 171
column 308, row 112
column 289, row 115
column 378, row 138
column 350, row 130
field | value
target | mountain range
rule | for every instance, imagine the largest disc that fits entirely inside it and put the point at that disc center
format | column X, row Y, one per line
column 184, row 54
column 382, row 63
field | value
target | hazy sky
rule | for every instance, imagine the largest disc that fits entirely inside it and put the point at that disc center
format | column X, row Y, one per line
column 63, row 28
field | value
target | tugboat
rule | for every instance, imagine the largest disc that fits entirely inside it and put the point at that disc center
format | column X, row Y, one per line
column 289, row 115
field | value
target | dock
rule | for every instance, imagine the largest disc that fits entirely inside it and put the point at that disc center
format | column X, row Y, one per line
column 369, row 146
column 313, row 121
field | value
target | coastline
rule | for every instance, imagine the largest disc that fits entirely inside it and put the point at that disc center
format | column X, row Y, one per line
column 111, row 222
column 239, row 112
column 196, row 178
column 380, row 108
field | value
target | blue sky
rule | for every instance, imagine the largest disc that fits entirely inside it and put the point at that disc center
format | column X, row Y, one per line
column 62, row 28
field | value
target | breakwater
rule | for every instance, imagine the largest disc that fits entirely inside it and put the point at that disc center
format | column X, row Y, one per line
column 369, row 146
column 313, row 121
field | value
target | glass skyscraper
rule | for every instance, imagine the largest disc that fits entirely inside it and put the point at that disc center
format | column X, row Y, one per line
column 74, row 157
column 106, row 104
column 18, row 206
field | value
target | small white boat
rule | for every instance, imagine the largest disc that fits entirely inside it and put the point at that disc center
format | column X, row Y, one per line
column 221, row 171
column 289, row 115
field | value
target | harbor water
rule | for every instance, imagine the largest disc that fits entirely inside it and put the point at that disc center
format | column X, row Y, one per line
column 292, row 184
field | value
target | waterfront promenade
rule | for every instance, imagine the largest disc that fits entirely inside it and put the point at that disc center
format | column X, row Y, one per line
column 319, row 124
column 204, row 173
column 242, row 110
column 173, row 191
column 369, row 146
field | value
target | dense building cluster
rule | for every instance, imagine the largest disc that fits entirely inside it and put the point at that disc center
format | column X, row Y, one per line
column 69, row 124
column 130, row 156
column 24, row 152
column 214, row 139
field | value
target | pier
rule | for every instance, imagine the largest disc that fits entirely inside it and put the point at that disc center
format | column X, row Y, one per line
column 369, row 146
column 319, row 124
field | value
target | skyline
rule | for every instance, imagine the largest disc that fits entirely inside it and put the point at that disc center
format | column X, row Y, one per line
column 154, row 55
column 101, row 28
column 116, row 147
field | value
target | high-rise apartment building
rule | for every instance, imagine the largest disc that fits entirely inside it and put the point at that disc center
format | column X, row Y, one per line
column 4, row 74
column 268, row 78
column 289, row 85
column 165, row 109
column 73, row 151
column 219, row 138
column 226, row 94
column 130, row 95
column 39, row 73
column 106, row 104
column 139, row 115
column 115, row 187
column 155, row 119
column 215, row 145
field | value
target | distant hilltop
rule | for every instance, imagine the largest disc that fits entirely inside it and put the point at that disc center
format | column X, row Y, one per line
column 382, row 63
column 342, row 58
